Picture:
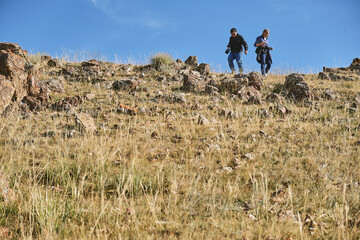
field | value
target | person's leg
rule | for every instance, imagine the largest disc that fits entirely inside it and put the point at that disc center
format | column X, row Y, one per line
column 268, row 63
column 230, row 61
column 239, row 61
column 263, row 63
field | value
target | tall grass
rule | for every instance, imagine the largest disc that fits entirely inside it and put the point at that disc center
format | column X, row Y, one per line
column 163, row 176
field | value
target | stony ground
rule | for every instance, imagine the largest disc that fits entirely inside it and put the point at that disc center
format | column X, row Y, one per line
column 137, row 152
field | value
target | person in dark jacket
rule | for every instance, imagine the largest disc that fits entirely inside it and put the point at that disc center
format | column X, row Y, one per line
column 263, row 51
column 235, row 47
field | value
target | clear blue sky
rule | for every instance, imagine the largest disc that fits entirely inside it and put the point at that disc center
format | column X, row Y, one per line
column 305, row 34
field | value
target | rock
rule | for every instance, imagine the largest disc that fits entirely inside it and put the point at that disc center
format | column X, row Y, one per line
column 6, row 93
column 275, row 98
column 192, row 84
column 209, row 89
column 324, row 76
column 192, row 61
column 48, row 134
column 89, row 96
column 90, row 63
column 16, row 76
column 232, row 85
column 278, row 196
column 13, row 67
column 296, row 87
column 177, row 78
column 255, row 100
column 84, row 123
column 336, row 77
column 329, row 94
column 45, row 58
column 203, row 121
column 161, row 79
column 355, row 65
column 33, row 103
column 255, row 80
column 126, row 109
column 179, row 61
column 248, row 156
column 246, row 93
column 54, row 63
column 13, row 48
column 204, row 69
column 236, row 163
column 177, row 98
column 264, row 113
column 54, row 85
column 281, row 109
column 37, row 89
column 224, row 169
column 126, row 84
column 233, row 115
column 66, row 103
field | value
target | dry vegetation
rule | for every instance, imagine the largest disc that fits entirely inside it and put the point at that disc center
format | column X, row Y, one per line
column 164, row 176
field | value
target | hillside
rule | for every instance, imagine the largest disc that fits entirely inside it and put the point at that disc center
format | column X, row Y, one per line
column 171, row 150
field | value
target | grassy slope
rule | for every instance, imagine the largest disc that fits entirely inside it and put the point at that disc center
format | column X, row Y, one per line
column 124, row 183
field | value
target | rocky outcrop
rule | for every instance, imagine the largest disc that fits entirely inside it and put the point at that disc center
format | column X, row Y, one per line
column 192, row 61
column 17, row 81
column 255, row 80
column 296, row 87
column 355, row 65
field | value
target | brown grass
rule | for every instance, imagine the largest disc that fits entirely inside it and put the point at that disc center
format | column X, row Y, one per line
column 163, row 176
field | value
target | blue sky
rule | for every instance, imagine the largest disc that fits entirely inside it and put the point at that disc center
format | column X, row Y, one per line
column 305, row 34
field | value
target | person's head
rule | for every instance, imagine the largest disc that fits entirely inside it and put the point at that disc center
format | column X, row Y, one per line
column 233, row 32
column 266, row 32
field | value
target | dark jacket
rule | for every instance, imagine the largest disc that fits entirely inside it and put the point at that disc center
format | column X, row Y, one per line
column 236, row 43
column 262, row 50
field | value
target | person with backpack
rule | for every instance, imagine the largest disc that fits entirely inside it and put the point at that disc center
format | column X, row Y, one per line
column 235, row 47
column 263, row 52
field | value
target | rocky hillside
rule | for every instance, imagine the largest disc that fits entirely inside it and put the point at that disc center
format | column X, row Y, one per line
column 98, row 149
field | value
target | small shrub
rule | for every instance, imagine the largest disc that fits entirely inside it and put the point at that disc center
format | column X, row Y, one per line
column 162, row 61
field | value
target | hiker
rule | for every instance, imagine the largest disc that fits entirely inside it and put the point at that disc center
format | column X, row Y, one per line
column 235, row 47
column 263, row 52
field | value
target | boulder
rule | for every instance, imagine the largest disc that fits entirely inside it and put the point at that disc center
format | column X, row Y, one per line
column 329, row 94
column 13, row 67
column 17, row 79
column 212, row 90
column 275, row 98
column 203, row 121
column 54, row 85
column 255, row 80
column 192, row 61
column 54, row 63
column 232, row 85
column 125, row 84
column 6, row 93
column 66, row 103
column 324, row 76
column 13, row 48
column 296, row 87
column 355, row 65
column 248, row 92
column 192, row 83
column 204, row 69
column 84, row 123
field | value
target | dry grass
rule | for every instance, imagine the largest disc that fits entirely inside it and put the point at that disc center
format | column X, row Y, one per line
column 165, row 177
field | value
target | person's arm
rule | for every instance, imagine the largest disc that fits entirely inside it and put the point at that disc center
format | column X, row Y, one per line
column 259, row 42
column 245, row 45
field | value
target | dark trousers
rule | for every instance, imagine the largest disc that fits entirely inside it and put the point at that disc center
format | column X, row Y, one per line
column 265, row 63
